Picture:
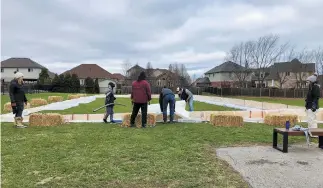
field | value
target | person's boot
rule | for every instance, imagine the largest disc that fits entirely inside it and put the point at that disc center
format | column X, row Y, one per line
column 165, row 118
column 171, row 119
column 15, row 122
column 111, row 119
column 105, row 118
column 143, row 126
column 19, row 123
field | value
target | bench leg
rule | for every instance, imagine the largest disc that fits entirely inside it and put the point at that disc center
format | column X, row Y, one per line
column 321, row 142
column 274, row 139
column 285, row 142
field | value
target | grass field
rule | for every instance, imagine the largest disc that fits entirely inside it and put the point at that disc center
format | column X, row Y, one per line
column 103, row 155
column 288, row 101
column 89, row 107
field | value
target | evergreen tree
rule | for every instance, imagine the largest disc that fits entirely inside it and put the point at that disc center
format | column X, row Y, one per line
column 61, row 83
column 43, row 77
column 67, row 83
column 96, row 86
column 89, row 85
column 55, row 84
column 75, row 83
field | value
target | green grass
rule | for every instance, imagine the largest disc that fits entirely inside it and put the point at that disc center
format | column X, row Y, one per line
column 89, row 107
column 287, row 101
column 103, row 155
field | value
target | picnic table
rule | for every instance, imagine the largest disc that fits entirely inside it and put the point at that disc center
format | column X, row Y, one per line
column 286, row 133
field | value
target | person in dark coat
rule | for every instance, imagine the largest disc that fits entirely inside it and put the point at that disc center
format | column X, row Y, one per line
column 18, row 98
column 109, row 99
column 312, row 100
column 140, row 97
column 167, row 97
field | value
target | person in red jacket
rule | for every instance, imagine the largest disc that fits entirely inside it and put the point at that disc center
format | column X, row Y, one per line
column 140, row 96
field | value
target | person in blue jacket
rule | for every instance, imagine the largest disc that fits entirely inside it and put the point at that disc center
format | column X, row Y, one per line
column 167, row 97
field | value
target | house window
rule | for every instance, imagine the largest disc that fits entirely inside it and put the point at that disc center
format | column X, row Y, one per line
column 287, row 73
column 2, row 70
column 261, row 75
column 17, row 69
column 30, row 70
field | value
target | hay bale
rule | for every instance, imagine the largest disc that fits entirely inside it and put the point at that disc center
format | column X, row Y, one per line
column 70, row 97
column 82, row 95
column 38, row 102
column 151, row 120
column 226, row 120
column 47, row 119
column 52, row 99
column 280, row 120
column 159, row 117
column 7, row 107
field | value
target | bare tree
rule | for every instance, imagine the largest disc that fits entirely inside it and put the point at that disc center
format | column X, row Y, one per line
column 265, row 51
column 126, row 65
column 318, row 59
column 149, row 70
column 241, row 55
column 305, row 57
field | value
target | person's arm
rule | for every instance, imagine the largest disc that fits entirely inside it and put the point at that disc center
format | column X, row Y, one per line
column 148, row 91
column 316, row 96
column 161, row 101
column 11, row 92
column 189, row 93
column 131, row 96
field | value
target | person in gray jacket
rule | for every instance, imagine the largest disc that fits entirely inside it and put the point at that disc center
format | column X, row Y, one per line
column 167, row 97
column 187, row 95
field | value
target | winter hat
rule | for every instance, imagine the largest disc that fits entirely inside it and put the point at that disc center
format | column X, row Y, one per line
column 312, row 78
column 111, row 85
column 18, row 75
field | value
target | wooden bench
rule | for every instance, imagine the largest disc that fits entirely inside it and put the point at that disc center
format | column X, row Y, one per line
column 315, row 132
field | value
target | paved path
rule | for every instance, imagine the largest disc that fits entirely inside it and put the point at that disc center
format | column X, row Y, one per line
column 265, row 167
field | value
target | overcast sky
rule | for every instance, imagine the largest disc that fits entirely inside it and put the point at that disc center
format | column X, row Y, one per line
column 61, row 34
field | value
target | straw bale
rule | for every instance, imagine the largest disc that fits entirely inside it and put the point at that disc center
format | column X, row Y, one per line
column 69, row 97
column 82, row 95
column 151, row 120
column 38, row 102
column 159, row 117
column 47, row 119
column 226, row 120
column 280, row 120
column 52, row 99
column 7, row 107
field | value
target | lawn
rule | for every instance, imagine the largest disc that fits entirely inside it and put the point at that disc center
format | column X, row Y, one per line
column 288, row 101
column 104, row 155
column 89, row 107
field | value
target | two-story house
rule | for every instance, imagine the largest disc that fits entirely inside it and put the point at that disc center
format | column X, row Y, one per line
column 28, row 67
column 291, row 74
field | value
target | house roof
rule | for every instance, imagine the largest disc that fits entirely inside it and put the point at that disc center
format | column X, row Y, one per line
column 294, row 66
column 89, row 70
column 136, row 67
column 204, row 80
column 20, row 63
column 228, row 66
column 118, row 76
column 23, row 63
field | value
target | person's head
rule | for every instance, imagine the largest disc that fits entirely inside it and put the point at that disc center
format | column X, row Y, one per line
column 110, row 86
column 19, row 77
column 142, row 76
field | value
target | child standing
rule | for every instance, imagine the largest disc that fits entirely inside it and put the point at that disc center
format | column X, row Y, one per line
column 109, row 99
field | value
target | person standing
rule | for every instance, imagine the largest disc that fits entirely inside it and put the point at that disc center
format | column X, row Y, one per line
column 187, row 95
column 167, row 97
column 312, row 100
column 140, row 96
column 17, row 98
column 109, row 99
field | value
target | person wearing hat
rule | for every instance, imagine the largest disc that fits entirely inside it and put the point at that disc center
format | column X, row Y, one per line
column 17, row 98
column 109, row 99
column 312, row 100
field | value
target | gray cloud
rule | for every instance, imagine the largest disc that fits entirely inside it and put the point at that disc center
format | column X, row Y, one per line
column 61, row 34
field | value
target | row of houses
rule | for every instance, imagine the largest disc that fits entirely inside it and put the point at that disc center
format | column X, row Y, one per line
column 290, row 74
column 279, row 75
